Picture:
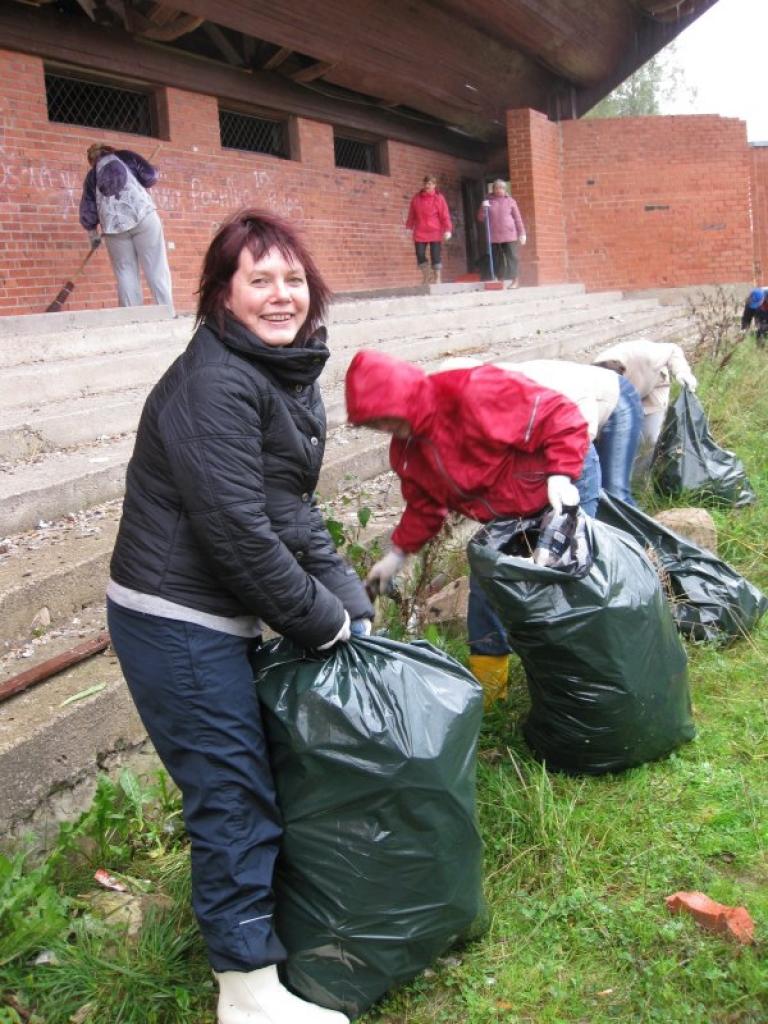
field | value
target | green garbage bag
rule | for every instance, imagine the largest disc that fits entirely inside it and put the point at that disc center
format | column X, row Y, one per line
column 605, row 667
column 709, row 600
column 373, row 750
column 686, row 459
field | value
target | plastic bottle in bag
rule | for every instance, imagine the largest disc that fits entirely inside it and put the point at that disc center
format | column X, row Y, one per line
column 556, row 535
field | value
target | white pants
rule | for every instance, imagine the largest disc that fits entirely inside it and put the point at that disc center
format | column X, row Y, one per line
column 142, row 246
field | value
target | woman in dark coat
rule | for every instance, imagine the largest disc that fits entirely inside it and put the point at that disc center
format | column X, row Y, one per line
column 220, row 533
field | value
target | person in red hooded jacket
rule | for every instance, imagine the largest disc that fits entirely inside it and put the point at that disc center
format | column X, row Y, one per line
column 480, row 441
column 430, row 222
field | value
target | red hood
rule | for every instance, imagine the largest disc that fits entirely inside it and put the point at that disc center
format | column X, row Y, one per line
column 379, row 386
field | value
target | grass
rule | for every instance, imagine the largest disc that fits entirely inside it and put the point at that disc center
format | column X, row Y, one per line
column 576, row 868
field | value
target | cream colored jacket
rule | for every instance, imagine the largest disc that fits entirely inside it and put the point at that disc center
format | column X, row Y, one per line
column 648, row 366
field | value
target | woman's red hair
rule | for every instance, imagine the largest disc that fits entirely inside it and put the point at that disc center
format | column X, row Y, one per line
column 257, row 231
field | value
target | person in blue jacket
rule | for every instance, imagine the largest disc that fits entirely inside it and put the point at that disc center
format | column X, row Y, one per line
column 756, row 308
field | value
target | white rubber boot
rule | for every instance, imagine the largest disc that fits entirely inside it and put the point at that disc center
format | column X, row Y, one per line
column 257, row 997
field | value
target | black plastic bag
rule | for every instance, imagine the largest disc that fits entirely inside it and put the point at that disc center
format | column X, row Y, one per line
column 709, row 599
column 373, row 749
column 687, row 460
column 606, row 669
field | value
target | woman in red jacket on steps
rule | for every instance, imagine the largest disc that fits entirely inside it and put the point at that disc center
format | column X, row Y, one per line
column 430, row 222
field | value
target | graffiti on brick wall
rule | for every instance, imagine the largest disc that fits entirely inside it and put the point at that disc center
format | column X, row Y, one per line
column 29, row 181
column 229, row 194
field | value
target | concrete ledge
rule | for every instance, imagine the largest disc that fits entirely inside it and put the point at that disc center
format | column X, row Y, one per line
column 44, row 323
column 62, row 577
column 44, row 747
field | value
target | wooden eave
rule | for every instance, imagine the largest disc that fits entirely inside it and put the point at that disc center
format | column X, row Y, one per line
column 440, row 72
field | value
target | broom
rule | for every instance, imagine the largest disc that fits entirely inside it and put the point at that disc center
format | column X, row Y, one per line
column 69, row 286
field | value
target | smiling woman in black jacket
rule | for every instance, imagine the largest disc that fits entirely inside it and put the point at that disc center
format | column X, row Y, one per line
column 220, row 532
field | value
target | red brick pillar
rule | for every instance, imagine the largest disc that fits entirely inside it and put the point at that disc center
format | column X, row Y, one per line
column 535, row 173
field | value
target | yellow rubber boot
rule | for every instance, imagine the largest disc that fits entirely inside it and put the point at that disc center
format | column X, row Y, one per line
column 491, row 671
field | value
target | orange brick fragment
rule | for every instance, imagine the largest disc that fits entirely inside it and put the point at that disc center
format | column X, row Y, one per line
column 734, row 922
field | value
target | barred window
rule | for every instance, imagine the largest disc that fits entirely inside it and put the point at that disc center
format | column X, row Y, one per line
column 73, row 100
column 356, row 155
column 252, row 133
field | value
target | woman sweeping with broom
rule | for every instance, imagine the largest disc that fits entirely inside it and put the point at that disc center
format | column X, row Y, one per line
column 116, row 200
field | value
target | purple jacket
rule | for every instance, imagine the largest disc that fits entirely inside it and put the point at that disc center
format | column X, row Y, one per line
column 141, row 169
column 505, row 220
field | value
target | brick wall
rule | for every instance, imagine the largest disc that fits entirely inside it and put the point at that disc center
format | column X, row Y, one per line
column 636, row 202
column 759, row 167
column 353, row 221
column 657, row 201
column 625, row 203
column 535, row 174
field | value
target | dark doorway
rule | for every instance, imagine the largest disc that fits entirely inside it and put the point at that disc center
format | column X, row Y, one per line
column 473, row 192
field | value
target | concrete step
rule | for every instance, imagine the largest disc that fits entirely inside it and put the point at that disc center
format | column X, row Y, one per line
column 42, row 338
column 65, row 564
column 93, row 396
column 57, row 482
column 99, row 360
column 47, row 745
column 528, row 316
column 36, row 324
column 63, row 567
column 66, row 423
column 34, row 384
column 87, row 361
column 437, row 301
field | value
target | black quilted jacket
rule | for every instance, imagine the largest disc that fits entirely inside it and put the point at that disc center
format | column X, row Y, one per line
column 219, row 512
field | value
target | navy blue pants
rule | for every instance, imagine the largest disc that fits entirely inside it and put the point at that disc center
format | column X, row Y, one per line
column 485, row 632
column 435, row 253
column 194, row 690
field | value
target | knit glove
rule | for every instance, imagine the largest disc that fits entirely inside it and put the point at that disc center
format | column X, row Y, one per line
column 341, row 637
column 687, row 380
column 384, row 571
column 447, row 236
column 561, row 492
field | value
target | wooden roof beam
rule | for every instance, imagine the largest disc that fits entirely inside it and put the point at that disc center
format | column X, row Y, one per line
column 80, row 43
column 229, row 52
column 278, row 58
column 309, row 74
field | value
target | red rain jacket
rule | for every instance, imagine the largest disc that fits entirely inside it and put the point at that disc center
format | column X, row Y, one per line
column 428, row 216
column 483, row 440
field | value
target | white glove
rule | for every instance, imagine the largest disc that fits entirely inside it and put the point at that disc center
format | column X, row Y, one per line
column 361, row 627
column 341, row 637
column 523, row 239
column 560, row 491
column 383, row 572
column 447, row 236
column 486, row 203
column 687, row 380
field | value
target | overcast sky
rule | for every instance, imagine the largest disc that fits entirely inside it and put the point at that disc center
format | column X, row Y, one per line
column 723, row 55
